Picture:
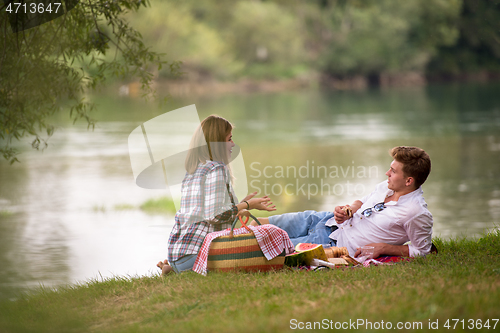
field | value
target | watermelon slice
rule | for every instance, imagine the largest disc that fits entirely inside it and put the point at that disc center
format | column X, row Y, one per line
column 302, row 247
column 304, row 254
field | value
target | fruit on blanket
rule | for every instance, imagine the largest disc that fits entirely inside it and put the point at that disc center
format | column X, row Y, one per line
column 301, row 247
column 305, row 253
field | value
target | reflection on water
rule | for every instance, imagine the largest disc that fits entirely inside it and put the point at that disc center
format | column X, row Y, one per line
column 59, row 215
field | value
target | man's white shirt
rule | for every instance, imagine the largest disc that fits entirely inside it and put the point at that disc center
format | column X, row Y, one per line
column 401, row 221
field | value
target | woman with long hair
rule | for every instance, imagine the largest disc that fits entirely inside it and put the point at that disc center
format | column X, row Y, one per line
column 208, row 202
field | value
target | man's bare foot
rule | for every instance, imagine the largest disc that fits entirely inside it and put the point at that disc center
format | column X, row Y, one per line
column 165, row 267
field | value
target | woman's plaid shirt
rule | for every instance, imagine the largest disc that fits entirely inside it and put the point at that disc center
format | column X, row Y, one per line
column 207, row 205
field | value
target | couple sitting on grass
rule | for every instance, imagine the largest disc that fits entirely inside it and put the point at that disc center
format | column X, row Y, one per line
column 393, row 214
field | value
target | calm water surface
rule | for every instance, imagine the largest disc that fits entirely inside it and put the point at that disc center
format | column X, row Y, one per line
column 62, row 216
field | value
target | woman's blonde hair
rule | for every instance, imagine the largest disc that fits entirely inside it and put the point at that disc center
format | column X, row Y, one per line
column 209, row 143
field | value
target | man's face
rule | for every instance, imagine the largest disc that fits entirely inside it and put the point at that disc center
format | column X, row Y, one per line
column 396, row 177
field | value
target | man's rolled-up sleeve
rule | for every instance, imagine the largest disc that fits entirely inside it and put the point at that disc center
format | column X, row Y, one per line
column 419, row 231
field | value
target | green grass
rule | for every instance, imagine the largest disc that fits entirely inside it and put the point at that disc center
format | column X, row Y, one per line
column 124, row 207
column 99, row 208
column 461, row 282
column 6, row 213
column 159, row 205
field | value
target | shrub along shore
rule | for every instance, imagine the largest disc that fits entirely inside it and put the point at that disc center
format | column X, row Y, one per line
column 461, row 282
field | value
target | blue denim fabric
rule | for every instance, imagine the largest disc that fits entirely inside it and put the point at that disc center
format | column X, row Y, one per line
column 184, row 263
column 305, row 227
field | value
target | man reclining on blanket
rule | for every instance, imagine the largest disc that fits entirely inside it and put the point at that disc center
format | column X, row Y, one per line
column 390, row 216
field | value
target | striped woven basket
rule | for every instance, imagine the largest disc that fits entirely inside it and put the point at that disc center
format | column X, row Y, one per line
column 240, row 253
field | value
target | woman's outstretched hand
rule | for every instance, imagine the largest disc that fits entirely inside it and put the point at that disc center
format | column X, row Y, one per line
column 250, row 196
column 263, row 203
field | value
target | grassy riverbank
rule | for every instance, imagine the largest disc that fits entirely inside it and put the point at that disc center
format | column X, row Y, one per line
column 461, row 282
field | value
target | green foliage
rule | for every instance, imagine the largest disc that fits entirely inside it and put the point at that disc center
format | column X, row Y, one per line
column 365, row 37
column 226, row 39
column 478, row 46
column 174, row 28
column 50, row 67
column 281, row 39
column 54, row 64
column 265, row 33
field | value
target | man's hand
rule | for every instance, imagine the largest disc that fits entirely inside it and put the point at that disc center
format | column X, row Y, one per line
column 382, row 249
column 340, row 214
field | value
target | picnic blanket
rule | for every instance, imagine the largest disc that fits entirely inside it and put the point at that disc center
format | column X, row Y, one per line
column 385, row 260
column 380, row 261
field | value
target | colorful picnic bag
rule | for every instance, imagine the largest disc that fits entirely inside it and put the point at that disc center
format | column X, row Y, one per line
column 240, row 253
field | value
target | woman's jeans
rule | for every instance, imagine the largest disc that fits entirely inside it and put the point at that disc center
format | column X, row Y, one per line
column 184, row 263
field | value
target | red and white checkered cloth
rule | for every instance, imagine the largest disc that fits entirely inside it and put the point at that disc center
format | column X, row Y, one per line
column 272, row 241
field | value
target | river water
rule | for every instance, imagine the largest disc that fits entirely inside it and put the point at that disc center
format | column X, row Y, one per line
column 62, row 215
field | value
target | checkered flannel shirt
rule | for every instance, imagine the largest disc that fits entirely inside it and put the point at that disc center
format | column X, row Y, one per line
column 207, row 205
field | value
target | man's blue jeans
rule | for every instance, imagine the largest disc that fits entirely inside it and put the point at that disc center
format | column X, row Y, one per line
column 306, row 227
